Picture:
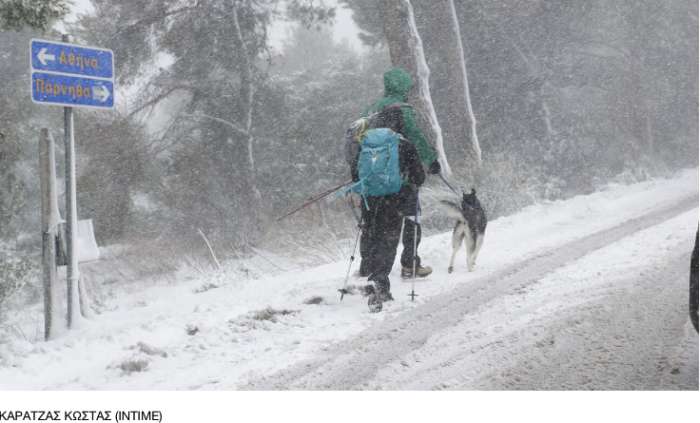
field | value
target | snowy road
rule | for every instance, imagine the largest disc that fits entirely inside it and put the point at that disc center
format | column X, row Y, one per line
column 604, row 322
column 601, row 322
column 587, row 293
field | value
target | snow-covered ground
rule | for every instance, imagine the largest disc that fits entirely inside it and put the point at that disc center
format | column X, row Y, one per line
column 614, row 319
column 588, row 293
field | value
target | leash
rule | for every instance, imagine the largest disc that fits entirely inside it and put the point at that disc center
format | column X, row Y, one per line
column 448, row 184
column 494, row 192
column 480, row 189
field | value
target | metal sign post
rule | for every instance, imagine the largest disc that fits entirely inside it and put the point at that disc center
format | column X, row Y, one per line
column 70, row 75
column 72, row 274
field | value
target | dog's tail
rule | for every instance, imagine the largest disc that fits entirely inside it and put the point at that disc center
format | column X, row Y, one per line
column 452, row 210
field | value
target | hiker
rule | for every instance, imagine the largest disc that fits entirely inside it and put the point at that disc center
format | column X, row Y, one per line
column 381, row 214
column 393, row 112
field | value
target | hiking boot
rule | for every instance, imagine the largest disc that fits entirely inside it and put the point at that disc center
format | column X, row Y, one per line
column 364, row 272
column 385, row 296
column 374, row 303
column 421, row 271
column 382, row 286
column 361, row 274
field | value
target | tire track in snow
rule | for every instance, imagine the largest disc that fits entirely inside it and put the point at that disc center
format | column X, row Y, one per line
column 629, row 331
column 352, row 364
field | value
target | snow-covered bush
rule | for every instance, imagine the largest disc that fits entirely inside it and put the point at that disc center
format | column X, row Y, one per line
column 15, row 274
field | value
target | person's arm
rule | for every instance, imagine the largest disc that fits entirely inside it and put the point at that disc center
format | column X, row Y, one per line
column 352, row 154
column 410, row 164
column 354, row 171
column 426, row 152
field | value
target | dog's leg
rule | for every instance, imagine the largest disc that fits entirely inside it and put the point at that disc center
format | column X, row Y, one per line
column 457, row 236
column 469, row 241
column 477, row 248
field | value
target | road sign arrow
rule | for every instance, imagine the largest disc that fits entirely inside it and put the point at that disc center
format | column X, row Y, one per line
column 44, row 57
column 100, row 93
column 71, row 75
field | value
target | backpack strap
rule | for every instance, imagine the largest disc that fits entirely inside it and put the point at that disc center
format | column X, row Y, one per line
column 358, row 188
column 397, row 105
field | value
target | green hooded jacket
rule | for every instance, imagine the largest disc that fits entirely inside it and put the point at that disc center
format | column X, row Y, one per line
column 397, row 84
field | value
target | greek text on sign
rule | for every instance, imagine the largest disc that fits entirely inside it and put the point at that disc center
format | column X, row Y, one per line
column 68, row 90
column 71, row 75
column 50, row 56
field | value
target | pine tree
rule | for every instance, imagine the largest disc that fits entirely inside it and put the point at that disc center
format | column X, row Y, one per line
column 38, row 14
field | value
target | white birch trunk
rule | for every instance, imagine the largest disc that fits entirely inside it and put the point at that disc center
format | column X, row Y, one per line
column 211, row 250
column 437, row 21
column 475, row 147
column 247, row 92
column 423, row 76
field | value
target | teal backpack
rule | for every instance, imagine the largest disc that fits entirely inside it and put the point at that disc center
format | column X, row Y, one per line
column 378, row 164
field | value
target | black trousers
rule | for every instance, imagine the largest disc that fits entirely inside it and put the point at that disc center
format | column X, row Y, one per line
column 409, row 229
column 380, row 238
column 406, row 255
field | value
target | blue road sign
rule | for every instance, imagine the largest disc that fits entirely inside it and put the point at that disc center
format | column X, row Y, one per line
column 51, row 56
column 71, row 75
column 66, row 90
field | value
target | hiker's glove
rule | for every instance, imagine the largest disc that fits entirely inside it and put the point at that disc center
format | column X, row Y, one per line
column 434, row 168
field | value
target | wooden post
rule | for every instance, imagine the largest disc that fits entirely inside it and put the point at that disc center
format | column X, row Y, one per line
column 49, row 222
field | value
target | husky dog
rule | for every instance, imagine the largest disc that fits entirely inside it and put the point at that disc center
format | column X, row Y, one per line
column 470, row 227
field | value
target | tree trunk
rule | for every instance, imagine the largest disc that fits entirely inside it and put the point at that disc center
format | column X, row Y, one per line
column 406, row 51
column 247, row 93
column 439, row 27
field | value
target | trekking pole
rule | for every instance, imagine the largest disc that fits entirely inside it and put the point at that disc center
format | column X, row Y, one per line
column 344, row 289
column 315, row 198
column 413, row 294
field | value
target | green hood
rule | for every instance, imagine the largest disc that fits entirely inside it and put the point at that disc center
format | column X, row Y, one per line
column 397, row 83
